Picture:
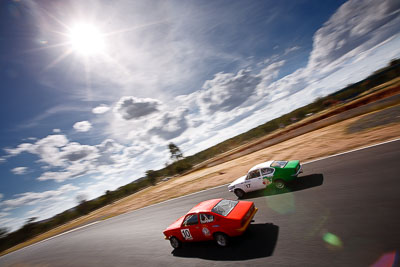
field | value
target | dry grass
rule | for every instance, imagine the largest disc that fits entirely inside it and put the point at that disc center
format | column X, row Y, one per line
column 325, row 141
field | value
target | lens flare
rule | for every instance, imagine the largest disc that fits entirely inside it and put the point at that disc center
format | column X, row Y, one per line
column 387, row 260
column 332, row 239
column 283, row 204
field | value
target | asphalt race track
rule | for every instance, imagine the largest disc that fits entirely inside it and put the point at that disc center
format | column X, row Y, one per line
column 344, row 211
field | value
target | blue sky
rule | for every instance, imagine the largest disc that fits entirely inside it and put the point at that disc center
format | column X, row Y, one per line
column 92, row 92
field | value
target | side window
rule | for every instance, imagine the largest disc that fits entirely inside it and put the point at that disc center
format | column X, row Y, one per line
column 191, row 220
column 253, row 174
column 266, row 171
column 206, row 218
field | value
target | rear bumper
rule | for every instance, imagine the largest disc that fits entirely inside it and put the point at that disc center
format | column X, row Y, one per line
column 299, row 171
column 244, row 227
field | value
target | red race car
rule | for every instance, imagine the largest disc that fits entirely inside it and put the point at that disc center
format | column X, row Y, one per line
column 216, row 219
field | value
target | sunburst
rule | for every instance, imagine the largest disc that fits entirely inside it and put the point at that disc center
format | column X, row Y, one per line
column 86, row 39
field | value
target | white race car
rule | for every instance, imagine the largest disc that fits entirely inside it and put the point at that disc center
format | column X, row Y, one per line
column 260, row 176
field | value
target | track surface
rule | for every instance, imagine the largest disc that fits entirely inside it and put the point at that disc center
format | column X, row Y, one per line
column 350, row 200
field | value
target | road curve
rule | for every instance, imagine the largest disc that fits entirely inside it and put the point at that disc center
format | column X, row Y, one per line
column 344, row 211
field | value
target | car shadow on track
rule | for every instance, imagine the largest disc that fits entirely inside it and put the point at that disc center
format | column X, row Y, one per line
column 301, row 183
column 257, row 242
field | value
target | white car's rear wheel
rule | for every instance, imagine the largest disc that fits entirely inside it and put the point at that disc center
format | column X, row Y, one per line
column 280, row 184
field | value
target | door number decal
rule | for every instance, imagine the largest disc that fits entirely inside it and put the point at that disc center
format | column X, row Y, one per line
column 186, row 234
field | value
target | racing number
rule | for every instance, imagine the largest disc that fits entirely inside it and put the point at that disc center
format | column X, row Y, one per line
column 186, row 234
column 248, row 185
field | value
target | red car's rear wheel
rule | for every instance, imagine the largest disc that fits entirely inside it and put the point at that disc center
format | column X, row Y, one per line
column 221, row 239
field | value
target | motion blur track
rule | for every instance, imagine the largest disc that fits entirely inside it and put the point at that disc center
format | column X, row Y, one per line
column 344, row 211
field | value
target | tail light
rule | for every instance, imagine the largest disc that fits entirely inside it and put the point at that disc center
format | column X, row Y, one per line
column 249, row 212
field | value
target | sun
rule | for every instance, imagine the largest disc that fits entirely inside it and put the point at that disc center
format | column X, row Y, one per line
column 86, row 39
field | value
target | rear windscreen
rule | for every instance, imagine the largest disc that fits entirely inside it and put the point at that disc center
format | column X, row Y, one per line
column 279, row 163
column 224, row 207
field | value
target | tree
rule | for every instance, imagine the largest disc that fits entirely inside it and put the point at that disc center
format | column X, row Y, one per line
column 81, row 198
column 83, row 206
column 3, row 231
column 176, row 153
column 394, row 62
column 151, row 176
column 31, row 220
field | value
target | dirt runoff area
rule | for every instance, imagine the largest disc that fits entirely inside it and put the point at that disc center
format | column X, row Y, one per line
column 368, row 129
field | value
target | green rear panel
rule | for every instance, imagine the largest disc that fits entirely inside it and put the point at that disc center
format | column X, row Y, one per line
column 292, row 164
column 286, row 172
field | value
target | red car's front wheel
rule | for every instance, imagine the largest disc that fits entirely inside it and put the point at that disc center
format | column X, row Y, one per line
column 239, row 193
column 175, row 243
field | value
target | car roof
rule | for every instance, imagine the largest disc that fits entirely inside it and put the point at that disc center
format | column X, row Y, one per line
column 262, row 165
column 205, row 206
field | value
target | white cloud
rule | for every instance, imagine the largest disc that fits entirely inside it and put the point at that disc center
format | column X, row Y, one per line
column 78, row 170
column 81, row 160
column 109, row 150
column 130, row 107
column 110, row 145
column 76, row 152
column 1, row 196
column 227, row 91
column 31, row 198
column 71, row 159
column 12, row 223
column 291, row 49
column 48, row 147
column 77, row 159
column 50, row 208
column 101, row 109
column 268, row 75
column 355, row 27
column 82, row 126
column 56, row 131
column 169, row 125
column 20, row 170
column 2, row 159
column 4, row 214
column 45, row 148
column 24, row 147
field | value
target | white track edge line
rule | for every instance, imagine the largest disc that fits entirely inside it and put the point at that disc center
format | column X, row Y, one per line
column 353, row 150
column 307, row 162
column 67, row 232
column 47, row 239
